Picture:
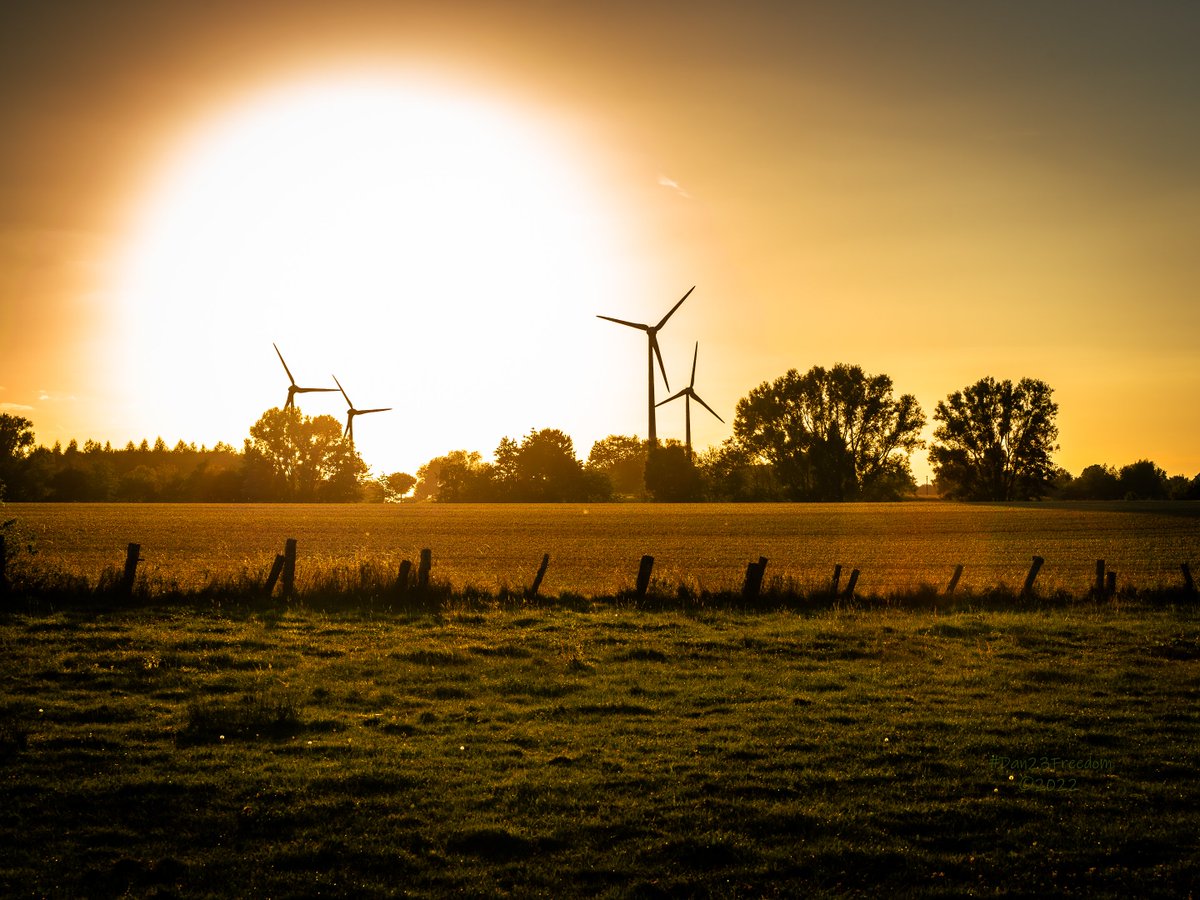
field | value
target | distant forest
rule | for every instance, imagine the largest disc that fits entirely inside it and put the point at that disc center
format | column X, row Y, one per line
column 826, row 435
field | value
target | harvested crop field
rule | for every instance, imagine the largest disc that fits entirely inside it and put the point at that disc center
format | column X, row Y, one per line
column 595, row 549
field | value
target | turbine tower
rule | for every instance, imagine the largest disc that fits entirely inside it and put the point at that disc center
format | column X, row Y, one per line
column 293, row 390
column 689, row 394
column 652, row 351
column 352, row 412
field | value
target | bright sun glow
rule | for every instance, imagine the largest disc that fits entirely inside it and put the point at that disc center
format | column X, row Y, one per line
column 439, row 254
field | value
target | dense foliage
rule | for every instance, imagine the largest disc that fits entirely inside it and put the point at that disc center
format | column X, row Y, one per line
column 832, row 434
column 994, row 440
column 287, row 457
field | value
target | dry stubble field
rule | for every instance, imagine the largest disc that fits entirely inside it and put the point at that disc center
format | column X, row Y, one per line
column 595, row 548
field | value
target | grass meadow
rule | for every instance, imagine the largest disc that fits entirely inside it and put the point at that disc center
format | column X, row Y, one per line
column 584, row 744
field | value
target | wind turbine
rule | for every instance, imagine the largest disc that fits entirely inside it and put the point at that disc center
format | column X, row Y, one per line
column 352, row 412
column 652, row 351
column 293, row 390
column 689, row 394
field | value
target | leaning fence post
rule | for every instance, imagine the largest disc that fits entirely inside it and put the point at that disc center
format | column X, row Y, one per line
column 1188, row 584
column 423, row 569
column 273, row 576
column 1032, row 576
column 289, row 568
column 131, row 561
column 958, row 570
column 851, row 583
column 404, row 580
column 837, row 577
column 643, row 577
column 1099, row 578
column 754, row 578
column 541, row 573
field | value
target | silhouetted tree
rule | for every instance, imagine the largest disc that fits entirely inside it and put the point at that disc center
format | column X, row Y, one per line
column 832, row 434
column 290, row 456
column 671, row 476
column 994, row 440
column 623, row 460
column 543, row 468
column 16, row 444
column 1143, row 480
column 1096, row 482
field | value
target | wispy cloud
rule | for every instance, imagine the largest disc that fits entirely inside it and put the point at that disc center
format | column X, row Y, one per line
column 672, row 184
column 16, row 407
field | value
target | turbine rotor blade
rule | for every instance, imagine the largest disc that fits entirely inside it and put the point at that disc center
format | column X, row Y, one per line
column 696, row 397
column 301, row 390
column 343, row 390
column 673, row 308
column 363, row 412
column 695, row 354
column 675, row 396
column 285, row 368
column 654, row 349
column 623, row 322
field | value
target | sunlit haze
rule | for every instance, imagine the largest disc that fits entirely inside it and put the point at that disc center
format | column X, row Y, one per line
column 435, row 206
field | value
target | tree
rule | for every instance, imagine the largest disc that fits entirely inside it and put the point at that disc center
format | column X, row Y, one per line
column 671, row 476
column 623, row 460
column 396, row 485
column 543, row 468
column 730, row 472
column 16, row 444
column 994, row 440
column 835, row 434
column 1143, row 480
column 460, row 475
column 1096, row 482
column 290, row 456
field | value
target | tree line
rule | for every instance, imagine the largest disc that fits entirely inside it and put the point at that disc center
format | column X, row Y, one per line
column 836, row 434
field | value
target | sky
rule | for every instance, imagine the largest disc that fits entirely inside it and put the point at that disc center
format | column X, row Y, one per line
column 433, row 202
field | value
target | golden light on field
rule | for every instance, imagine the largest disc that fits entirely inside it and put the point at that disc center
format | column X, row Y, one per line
column 441, row 252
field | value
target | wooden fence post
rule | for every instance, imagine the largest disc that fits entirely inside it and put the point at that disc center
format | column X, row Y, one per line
column 423, row 569
column 541, row 573
column 754, row 578
column 837, row 577
column 289, row 568
column 1099, row 578
column 958, row 570
column 404, row 580
column 1112, row 584
column 1188, row 584
column 1032, row 576
column 851, row 583
column 643, row 577
column 131, row 560
column 273, row 576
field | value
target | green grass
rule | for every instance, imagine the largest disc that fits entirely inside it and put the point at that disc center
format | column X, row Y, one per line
column 544, row 751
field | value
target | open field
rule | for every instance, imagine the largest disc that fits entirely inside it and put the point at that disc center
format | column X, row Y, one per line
column 602, row 751
column 595, row 548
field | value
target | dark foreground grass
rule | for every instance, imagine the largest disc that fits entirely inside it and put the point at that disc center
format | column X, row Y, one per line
column 600, row 751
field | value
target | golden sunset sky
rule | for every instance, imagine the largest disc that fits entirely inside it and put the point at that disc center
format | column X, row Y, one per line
column 433, row 202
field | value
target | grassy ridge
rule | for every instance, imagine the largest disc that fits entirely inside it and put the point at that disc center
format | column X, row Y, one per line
column 600, row 750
